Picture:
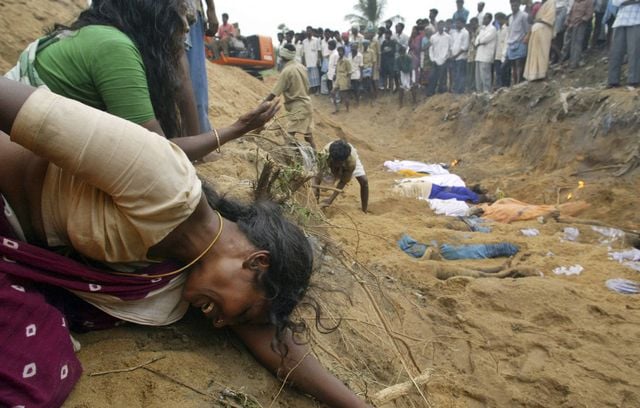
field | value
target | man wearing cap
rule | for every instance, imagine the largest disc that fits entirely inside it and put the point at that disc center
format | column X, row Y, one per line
column 293, row 84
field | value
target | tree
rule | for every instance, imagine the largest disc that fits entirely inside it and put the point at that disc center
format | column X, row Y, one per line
column 369, row 13
column 283, row 28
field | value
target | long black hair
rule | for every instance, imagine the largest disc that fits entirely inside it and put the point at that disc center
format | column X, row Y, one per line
column 157, row 29
column 291, row 259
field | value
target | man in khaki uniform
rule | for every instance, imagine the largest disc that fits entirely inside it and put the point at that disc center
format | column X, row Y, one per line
column 293, row 84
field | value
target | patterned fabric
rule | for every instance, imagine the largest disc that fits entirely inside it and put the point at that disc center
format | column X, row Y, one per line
column 627, row 16
column 314, row 76
column 24, row 71
column 39, row 367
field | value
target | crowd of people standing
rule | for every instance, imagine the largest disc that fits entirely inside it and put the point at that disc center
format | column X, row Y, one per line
column 468, row 53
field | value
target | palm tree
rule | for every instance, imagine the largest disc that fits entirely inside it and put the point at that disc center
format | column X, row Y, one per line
column 369, row 13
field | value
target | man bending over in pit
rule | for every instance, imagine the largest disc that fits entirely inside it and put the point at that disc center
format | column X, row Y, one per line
column 339, row 161
column 293, row 84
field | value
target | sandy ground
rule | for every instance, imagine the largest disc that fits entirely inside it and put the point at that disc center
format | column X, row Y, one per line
column 546, row 341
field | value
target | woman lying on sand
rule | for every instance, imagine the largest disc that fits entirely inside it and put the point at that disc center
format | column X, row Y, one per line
column 75, row 177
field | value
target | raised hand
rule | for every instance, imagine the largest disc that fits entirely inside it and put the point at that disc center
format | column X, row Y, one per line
column 258, row 117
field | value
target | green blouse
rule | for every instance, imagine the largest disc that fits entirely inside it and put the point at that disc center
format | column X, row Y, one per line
column 101, row 67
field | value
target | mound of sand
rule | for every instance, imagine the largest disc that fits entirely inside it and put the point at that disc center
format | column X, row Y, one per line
column 534, row 342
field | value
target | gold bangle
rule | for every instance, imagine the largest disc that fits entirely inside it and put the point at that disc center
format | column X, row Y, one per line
column 215, row 132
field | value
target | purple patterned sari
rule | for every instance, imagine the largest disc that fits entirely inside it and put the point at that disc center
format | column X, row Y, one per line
column 38, row 365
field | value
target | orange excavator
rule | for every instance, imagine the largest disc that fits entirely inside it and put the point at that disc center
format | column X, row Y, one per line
column 257, row 54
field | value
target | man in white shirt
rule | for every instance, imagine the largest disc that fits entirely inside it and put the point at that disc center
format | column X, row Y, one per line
column 516, row 46
column 439, row 52
column 357, row 62
column 324, row 66
column 400, row 37
column 485, row 54
column 326, row 53
column 312, row 51
column 502, row 78
column 403, row 41
column 459, row 49
column 481, row 12
column 333, row 63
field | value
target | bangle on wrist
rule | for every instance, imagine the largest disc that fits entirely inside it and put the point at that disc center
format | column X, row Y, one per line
column 215, row 133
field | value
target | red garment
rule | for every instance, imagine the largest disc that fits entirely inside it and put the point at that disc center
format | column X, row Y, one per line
column 535, row 8
column 39, row 367
column 415, row 46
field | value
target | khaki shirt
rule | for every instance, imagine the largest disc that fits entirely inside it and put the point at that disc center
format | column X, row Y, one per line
column 293, row 84
column 369, row 58
column 343, row 74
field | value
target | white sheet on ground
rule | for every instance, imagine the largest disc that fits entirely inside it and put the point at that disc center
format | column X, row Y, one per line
column 451, row 208
column 630, row 258
column 416, row 166
column 530, row 232
column 609, row 235
column 569, row 270
column 444, row 180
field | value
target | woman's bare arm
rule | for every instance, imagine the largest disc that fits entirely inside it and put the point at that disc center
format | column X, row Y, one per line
column 308, row 375
column 14, row 95
column 198, row 146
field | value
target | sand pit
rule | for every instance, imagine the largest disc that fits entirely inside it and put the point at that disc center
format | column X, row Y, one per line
column 546, row 341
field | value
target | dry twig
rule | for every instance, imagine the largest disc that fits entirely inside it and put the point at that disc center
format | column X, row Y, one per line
column 127, row 370
column 328, row 188
column 399, row 390
column 178, row 382
column 387, row 328
column 284, row 382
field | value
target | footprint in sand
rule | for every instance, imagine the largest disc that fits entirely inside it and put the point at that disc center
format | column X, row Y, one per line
column 534, row 362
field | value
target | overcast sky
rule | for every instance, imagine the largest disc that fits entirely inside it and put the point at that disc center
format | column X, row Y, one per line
column 264, row 16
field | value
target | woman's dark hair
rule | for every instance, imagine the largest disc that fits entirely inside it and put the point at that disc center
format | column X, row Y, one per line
column 157, row 29
column 339, row 150
column 291, row 258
